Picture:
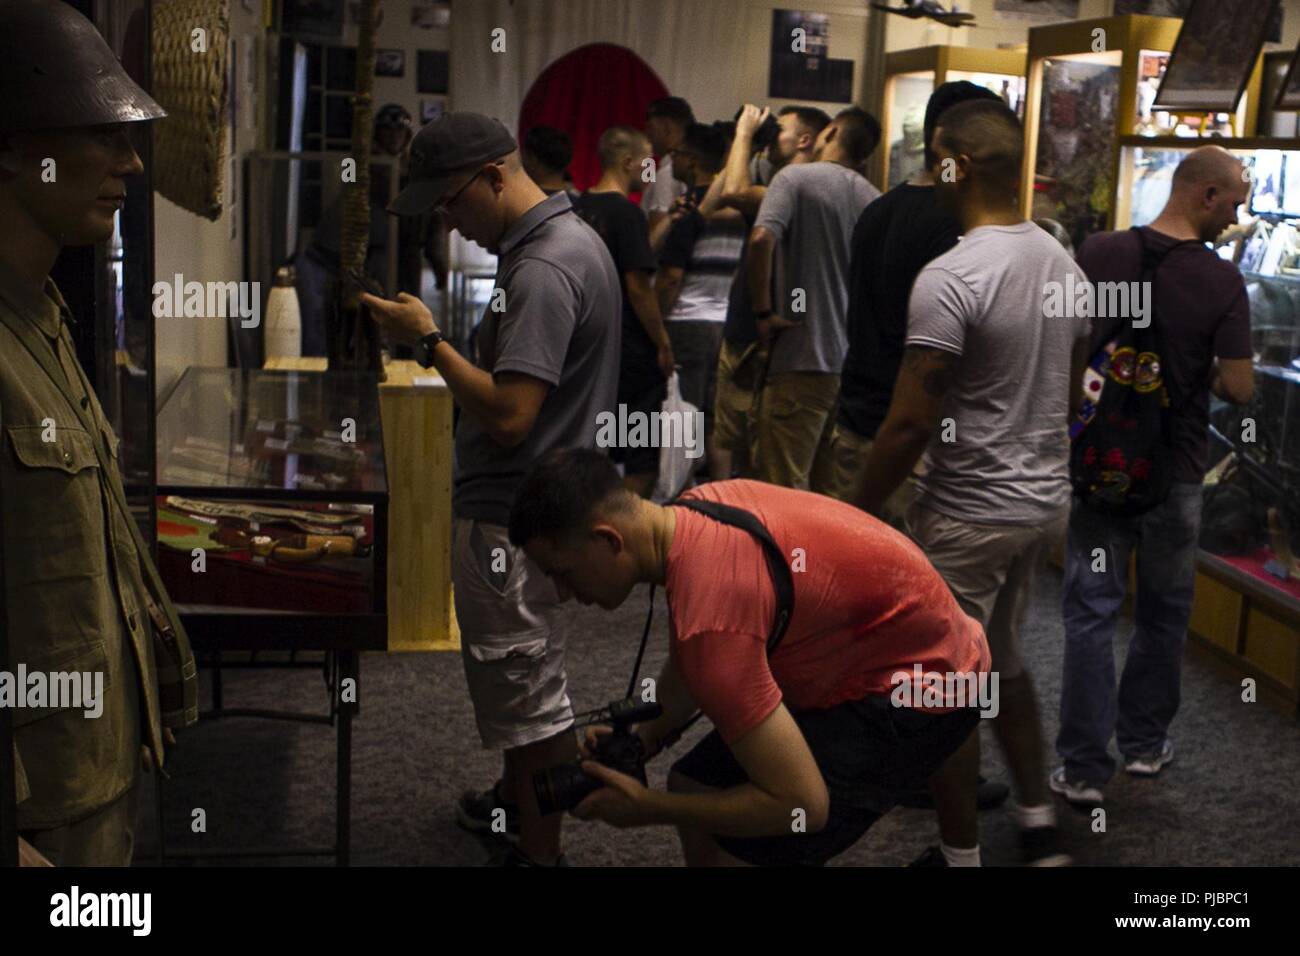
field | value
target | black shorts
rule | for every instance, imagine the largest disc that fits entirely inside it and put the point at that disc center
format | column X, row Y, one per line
column 870, row 754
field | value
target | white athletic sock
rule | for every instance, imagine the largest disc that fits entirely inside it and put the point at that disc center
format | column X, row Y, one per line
column 961, row 857
column 1043, row 815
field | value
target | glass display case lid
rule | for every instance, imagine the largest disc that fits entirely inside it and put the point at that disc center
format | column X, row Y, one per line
column 280, row 434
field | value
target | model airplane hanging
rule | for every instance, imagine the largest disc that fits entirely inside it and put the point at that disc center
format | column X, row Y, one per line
column 932, row 9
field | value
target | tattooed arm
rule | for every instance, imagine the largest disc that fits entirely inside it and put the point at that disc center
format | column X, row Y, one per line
column 923, row 380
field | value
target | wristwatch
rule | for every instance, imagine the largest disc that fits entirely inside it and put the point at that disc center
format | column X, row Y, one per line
column 424, row 348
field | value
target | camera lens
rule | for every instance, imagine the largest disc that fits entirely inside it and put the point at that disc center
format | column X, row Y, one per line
column 562, row 788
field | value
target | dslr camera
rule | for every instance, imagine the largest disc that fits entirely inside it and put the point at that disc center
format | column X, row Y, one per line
column 564, row 786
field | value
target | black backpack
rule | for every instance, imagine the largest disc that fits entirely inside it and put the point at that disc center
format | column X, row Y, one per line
column 1122, row 456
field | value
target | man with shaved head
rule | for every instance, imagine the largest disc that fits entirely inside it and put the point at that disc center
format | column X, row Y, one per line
column 1202, row 316
column 984, row 393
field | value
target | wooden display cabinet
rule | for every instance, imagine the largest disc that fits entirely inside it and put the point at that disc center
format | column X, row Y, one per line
column 912, row 75
column 1073, row 132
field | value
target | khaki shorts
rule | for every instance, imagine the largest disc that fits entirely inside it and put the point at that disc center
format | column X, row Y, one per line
column 512, row 642
column 739, row 370
column 990, row 569
column 792, row 440
column 849, row 452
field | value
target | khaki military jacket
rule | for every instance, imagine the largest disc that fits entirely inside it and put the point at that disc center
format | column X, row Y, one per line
column 80, row 590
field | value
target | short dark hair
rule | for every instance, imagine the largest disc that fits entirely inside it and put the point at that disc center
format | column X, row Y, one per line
column 560, row 493
column 946, row 96
column 619, row 141
column 551, row 146
column 672, row 108
column 708, row 144
column 859, row 133
column 810, row 117
column 990, row 134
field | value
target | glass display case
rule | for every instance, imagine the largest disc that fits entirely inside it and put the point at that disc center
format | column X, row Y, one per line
column 272, row 503
column 1247, row 606
column 1090, row 84
column 912, row 75
column 1253, row 500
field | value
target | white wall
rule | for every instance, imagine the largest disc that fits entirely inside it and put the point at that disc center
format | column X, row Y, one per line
column 715, row 53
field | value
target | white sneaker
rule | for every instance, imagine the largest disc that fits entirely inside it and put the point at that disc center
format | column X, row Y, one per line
column 1150, row 766
column 1079, row 793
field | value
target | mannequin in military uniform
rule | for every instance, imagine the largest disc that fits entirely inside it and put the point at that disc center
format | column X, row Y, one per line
column 80, row 592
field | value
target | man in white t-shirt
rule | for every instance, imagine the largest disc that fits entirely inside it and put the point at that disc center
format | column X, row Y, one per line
column 988, row 381
column 666, row 123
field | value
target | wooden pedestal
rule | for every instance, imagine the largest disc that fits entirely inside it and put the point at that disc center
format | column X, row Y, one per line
column 415, row 408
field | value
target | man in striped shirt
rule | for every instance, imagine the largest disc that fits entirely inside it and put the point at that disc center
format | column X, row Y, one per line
column 699, row 258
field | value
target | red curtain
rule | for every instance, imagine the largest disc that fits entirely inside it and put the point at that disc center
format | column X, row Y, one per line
column 584, row 93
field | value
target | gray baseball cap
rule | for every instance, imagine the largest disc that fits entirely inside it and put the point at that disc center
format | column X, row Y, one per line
column 444, row 150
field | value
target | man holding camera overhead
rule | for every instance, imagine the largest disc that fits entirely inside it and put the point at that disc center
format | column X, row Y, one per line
column 815, row 735
column 789, row 140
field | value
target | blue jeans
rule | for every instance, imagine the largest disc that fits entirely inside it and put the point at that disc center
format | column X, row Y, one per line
column 1149, row 689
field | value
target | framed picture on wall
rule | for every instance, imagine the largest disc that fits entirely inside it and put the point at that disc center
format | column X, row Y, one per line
column 1179, row 8
column 390, row 63
column 1214, row 55
column 799, row 68
column 431, row 110
column 1044, row 10
column 432, row 71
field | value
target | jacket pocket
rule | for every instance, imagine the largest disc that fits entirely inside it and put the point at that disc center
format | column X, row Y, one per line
column 59, row 594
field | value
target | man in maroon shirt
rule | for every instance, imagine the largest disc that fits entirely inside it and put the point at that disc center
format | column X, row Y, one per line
column 1203, row 318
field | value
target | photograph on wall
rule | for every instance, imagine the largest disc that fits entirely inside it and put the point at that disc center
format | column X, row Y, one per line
column 432, row 71
column 1044, row 10
column 390, row 63
column 1179, row 8
column 799, row 68
column 1214, row 55
column 431, row 110
column 430, row 15
column 319, row 18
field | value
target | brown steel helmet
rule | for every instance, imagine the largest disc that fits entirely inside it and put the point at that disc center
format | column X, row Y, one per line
column 56, row 71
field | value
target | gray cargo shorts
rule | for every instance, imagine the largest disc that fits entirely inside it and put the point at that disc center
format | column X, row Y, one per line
column 512, row 641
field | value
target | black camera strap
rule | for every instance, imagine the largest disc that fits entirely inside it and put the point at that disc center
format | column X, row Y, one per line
column 782, row 585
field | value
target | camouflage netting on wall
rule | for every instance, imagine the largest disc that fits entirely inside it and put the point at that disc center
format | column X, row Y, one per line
column 190, row 41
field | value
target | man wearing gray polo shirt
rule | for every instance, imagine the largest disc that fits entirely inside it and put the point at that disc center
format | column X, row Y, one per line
column 547, row 365
column 809, row 212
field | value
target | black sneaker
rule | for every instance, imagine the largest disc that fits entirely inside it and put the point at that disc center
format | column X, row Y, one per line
column 476, row 811
column 513, row 857
column 933, row 856
column 990, row 795
column 1041, row 846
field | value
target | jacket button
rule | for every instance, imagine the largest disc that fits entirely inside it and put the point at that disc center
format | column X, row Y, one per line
column 67, row 457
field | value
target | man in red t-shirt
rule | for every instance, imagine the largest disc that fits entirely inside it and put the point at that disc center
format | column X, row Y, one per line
column 811, row 746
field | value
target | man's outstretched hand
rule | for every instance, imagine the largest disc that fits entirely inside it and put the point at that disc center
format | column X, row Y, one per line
column 406, row 319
